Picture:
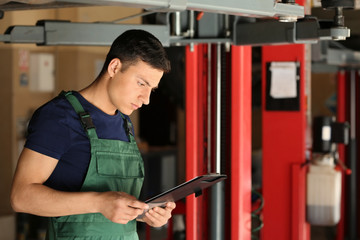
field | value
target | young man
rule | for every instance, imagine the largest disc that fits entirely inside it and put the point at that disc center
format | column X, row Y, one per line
column 80, row 164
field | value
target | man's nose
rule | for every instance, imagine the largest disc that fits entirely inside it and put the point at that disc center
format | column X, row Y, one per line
column 145, row 97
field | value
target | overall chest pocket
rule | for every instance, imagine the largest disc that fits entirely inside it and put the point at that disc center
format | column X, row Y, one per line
column 119, row 165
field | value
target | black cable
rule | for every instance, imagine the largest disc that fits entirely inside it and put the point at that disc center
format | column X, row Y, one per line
column 255, row 215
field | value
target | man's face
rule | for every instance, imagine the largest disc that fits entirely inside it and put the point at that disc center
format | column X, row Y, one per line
column 130, row 89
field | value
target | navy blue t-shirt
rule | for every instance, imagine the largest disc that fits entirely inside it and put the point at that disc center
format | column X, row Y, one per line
column 55, row 130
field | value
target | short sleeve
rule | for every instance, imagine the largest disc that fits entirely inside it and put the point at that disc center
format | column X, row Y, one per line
column 48, row 132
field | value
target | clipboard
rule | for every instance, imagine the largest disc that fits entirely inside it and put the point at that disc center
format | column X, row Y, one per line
column 195, row 185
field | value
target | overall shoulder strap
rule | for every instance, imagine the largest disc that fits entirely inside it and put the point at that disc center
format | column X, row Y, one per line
column 128, row 128
column 84, row 116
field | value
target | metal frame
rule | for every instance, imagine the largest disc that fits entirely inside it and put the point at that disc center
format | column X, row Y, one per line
column 341, row 117
column 193, row 137
column 240, row 172
column 52, row 33
column 255, row 8
column 283, row 176
column 326, row 58
column 241, row 142
column 306, row 30
column 343, row 57
column 68, row 33
column 101, row 34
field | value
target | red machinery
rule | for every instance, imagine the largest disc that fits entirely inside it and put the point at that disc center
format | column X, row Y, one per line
column 239, row 181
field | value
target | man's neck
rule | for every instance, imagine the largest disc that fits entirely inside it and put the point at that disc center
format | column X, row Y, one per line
column 96, row 93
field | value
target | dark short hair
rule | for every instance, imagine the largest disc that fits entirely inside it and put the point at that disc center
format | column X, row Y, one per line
column 135, row 45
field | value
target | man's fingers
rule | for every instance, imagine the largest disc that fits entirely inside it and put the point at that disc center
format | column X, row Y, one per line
column 121, row 207
column 171, row 205
column 129, row 214
column 138, row 205
column 137, row 208
column 134, row 212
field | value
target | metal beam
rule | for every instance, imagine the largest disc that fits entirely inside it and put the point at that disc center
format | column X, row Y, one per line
column 253, row 8
column 325, row 57
column 23, row 34
column 102, row 34
column 52, row 33
column 306, row 30
column 265, row 32
column 343, row 57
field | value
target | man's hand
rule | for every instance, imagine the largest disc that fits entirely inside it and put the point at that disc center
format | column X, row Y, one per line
column 159, row 216
column 120, row 207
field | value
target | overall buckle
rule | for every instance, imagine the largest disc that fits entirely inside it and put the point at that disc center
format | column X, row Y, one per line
column 86, row 120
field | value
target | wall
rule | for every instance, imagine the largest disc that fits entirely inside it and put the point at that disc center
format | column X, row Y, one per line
column 76, row 65
column 74, row 69
column 323, row 87
column 16, row 102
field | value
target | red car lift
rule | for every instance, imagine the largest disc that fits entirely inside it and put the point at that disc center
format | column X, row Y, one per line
column 240, row 179
column 284, row 137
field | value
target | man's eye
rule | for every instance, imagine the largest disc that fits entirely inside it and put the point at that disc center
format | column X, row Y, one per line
column 141, row 84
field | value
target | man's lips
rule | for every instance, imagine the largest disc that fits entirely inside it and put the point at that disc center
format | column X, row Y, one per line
column 135, row 106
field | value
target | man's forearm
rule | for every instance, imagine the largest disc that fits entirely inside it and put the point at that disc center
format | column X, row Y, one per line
column 41, row 200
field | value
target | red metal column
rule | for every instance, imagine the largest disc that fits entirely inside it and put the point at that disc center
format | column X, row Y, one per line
column 194, row 136
column 341, row 117
column 240, row 140
column 240, row 143
column 192, row 126
column 358, row 142
column 283, row 153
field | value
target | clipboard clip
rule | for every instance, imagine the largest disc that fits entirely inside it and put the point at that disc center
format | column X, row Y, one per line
column 198, row 192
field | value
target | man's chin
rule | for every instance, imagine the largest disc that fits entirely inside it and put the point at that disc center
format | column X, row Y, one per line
column 129, row 112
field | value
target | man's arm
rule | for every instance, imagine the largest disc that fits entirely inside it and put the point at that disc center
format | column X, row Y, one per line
column 29, row 195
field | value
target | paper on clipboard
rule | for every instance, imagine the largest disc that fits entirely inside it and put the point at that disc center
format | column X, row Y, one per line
column 179, row 192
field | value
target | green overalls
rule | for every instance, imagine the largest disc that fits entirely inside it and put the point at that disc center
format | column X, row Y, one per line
column 114, row 166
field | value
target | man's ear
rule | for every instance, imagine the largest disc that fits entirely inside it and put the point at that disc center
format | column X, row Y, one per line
column 114, row 66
